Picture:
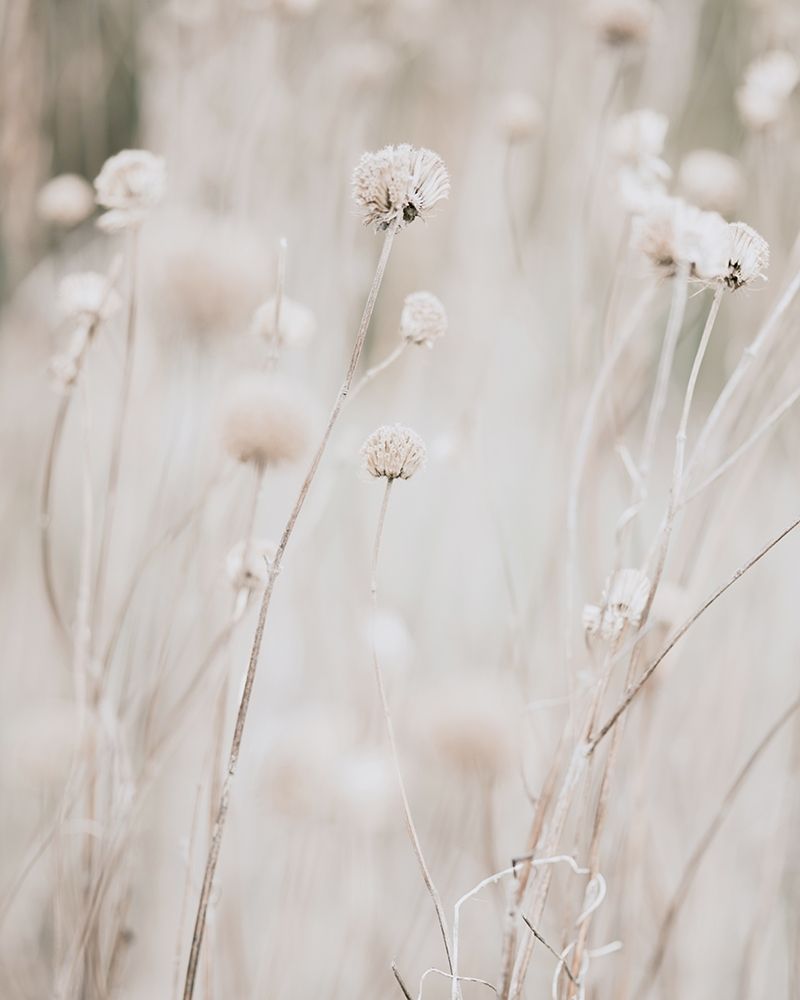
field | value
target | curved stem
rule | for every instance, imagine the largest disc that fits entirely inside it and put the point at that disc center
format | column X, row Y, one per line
column 410, row 826
column 247, row 690
column 371, row 373
column 46, row 515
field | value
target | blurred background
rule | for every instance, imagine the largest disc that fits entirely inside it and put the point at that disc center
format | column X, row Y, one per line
column 260, row 110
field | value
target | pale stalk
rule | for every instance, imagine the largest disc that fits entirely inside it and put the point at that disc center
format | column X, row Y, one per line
column 244, row 703
column 371, row 373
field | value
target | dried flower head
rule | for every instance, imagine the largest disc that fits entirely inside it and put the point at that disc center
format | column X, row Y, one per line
column 297, row 322
column 423, row 319
column 711, row 180
column 393, row 452
column 674, row 233
column 624, row 600
column 748, row 256
column 622, row 22
column 768, row 82
column 129, row 184
column 248, row 563
column 266, row 419
column 519, row 116
column 399, row 183
column 65, row 200
column 87, row 297
column 636, row 144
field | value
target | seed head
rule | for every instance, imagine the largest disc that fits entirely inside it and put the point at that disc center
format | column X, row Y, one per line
column 266, row 419
column 624, row 600
column 248, row 563
column 297, row 322
column 393, row 452
column 399, row 183
column 748, row 256
column 423, row 319
column 65, row 200
column 87, row 297
column 129, row 184
column 711, row 180
column 637, row 141
column 622, row 22
column 768, row 82
column 673, row 232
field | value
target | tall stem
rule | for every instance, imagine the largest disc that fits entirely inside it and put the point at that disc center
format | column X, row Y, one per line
column 412, row 830
column 247, row 690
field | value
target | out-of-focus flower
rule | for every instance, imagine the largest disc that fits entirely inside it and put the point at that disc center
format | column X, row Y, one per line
column 87, row 297
column 711, row 180
column 295, row 327
column 519, row 116
column 636, row 143
column 129, row 184
column 674, row 233
column 768, row 83
column 266, row 419
column 65, row 200
column 622, row 22
column 393, row 452
column 248, row 563
column 398, row 184
column 624, row 600
column 423, row 319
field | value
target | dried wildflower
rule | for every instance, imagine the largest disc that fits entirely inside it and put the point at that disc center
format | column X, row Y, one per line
column 636, row 143
column 622, row 22
column 768, row 83
column 399, row 183
column 87, row 297
column 393, row 452
column 129, row 184
column 248, row 564
column 748, row 256
column 297, row 322
column 519, row 116
column 711, row 180
column 423, row 319
column 65, row 200
column 624, row 600
column 266, row 419
column 673, row 232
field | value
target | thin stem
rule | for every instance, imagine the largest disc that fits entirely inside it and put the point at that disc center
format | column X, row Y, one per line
column 247, row 690
column 46, row 514
column 410, row 825
column 703, row 845
column 672, row 642
column 112, row 484
column 371, row 373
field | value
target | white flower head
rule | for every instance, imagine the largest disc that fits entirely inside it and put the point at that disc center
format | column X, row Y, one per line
column 624, row 599
column 768, row 83
column 248, row 563
column 711, row 180
column 129, row 184
column 673, row 234
column 65, row 200
column 423, row 319
column 295, row 326
column 636, row 142
column 748, row 256
column 519, row 116
column 622, row 22
column 266, row 419
column 398, row 184
column 393, row 452
column 87, row 297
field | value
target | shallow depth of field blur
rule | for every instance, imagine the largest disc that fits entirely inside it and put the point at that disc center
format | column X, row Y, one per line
column 115, row 728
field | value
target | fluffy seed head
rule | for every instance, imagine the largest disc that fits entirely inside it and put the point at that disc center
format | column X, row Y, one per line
column 393, row 452
column 711, row 180
column 65, row 200
column 624, row 599
column 748, row 256
column 129, row 184
column 87, row 297
column 674, row 233
column 248, row 563
column 399, row 183
column 519, row 116
column 768, row 82
column 622, row 22
column 423, row 319
column 266, row 419
column 297, row 322
column 636, row 142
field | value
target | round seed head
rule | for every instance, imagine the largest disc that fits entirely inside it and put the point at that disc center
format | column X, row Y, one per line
column 393, row 452
column 711, row 180
column 266, row 419
column 674, row 233
column 129, row 184
column 748, row 256
column 297, row 323
column 768, row 83
column 423, row 319
column 622, row 22
column 65, row 200
column 399, row 183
